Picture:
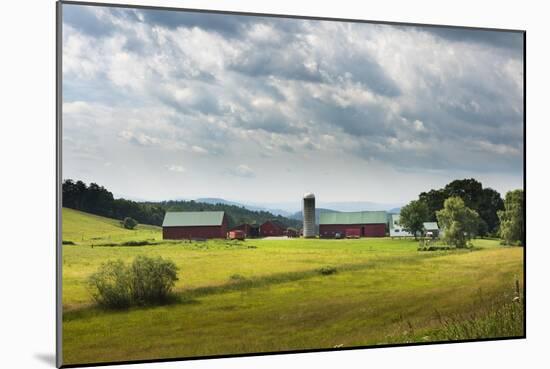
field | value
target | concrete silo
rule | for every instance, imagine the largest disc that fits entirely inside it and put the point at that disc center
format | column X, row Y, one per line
column 308, row 212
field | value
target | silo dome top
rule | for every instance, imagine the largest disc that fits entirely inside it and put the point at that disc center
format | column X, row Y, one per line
column 309, row 195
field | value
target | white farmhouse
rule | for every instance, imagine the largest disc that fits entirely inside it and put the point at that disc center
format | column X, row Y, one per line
column 396, row 229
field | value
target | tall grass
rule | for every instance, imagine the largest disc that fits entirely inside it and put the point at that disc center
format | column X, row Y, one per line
column 500, row 320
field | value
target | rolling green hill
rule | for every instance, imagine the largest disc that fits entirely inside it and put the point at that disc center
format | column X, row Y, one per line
column 80, row 227
column 96, row 199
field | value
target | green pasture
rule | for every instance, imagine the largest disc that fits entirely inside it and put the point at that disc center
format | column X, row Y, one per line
column 268, row 295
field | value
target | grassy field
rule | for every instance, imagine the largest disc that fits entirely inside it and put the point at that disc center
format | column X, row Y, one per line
column 268, row 295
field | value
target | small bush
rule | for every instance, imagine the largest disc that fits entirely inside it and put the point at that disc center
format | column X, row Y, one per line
column 152, row 279
column 130, row 243
column 129, row 223
column 236, row 277
column 67, row 242
column 327, row 270
column 147, row 281
column 435, row 248
column 111, row 285
column 137, row 243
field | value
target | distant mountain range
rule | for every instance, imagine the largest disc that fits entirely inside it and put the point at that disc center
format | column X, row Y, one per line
column 291, row 212
column 358, row 206
column 292, row 209
column 215, row 200
column 318, row 211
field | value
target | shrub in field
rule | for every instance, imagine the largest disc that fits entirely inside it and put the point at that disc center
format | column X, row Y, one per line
column 434, row 248
column 65, row 242
column 137, row 243
column 129, row 223
column 147, row 281
column 327, row 270
column 237, row 277
column 111, row 285
column 152, row 279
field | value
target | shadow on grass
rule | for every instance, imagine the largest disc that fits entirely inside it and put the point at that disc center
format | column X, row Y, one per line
column 240, row 283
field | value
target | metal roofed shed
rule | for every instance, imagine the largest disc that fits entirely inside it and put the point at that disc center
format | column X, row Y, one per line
column 430, row 226
column 194, row 224
column 431, row 229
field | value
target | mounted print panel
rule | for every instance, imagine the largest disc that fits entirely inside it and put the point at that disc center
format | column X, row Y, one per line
column 238, row 184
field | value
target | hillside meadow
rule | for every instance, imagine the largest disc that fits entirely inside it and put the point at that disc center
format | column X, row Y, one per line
column 269, row 295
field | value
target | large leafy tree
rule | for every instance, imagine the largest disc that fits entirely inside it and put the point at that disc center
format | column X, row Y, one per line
column 512, row 222
column 486, row 201
column 413, row 216
column 434, row 200
column 490, row 204
column 459, row 222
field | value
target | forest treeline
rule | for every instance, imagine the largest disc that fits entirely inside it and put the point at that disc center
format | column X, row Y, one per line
column 96, row 199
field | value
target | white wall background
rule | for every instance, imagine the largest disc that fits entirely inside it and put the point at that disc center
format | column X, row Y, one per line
column 27, row 192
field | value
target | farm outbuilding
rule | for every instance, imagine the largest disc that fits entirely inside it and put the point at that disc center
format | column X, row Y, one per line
column 194, row 225
column 431, row 229
column 250, row 230
column 396, row 229
column 362, row 223
column 272, row 228
column 292, row 232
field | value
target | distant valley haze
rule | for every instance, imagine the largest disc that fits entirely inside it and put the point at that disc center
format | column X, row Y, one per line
column 287, row 209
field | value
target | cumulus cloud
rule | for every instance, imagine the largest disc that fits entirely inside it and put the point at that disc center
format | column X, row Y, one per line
column 175, row 168
column 225, row 87
column 138, row 138
column 242, row 170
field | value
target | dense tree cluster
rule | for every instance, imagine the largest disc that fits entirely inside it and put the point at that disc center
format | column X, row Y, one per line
column 512, row 219
column 98, row 200
column 485, row 201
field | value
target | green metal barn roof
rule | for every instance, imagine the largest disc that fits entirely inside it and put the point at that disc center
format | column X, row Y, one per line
column 192, row 218
column 431, row 226
column 357, row 217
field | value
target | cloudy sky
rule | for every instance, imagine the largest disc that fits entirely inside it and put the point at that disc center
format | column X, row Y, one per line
column 161, row 104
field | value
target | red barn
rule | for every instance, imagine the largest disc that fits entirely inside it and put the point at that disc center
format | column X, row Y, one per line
column 194, row 224
column 250, row 230
column 272, row 228
column 357, row 224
